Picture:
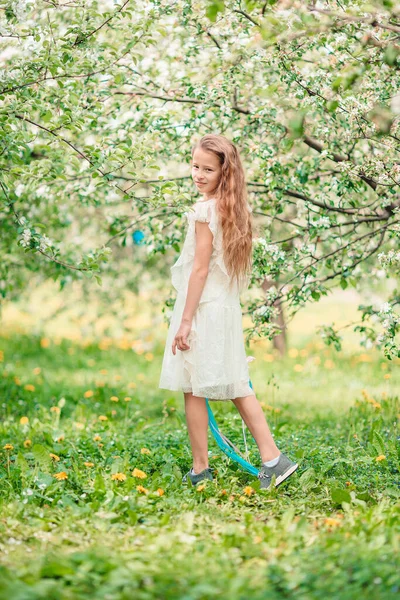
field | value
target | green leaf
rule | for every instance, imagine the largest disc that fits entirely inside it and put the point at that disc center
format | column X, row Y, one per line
column 22, row 462
column 47, row 116
column 343, row 283
column 390, row 55
column 296, row 124
column 338, row 496
column 378, row 442
column 99, row 485
column 215, row 7
column 41, row 454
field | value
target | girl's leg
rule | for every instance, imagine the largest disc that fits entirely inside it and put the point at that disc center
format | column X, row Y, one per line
column 252, row 414
column 197, row 424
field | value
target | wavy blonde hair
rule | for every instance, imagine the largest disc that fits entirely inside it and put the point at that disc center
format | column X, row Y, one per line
column 232, row 206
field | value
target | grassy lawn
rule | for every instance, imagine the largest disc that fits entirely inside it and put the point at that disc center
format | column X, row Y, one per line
column 117, row 522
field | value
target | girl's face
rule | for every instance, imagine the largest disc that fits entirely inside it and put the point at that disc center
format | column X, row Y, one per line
column 206, row 171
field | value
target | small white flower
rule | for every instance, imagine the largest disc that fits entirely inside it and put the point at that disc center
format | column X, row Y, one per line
column 45, row 243
column 385, row 308
column 25, row 238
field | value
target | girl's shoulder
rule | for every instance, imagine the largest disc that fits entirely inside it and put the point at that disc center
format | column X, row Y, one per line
column 202, row 210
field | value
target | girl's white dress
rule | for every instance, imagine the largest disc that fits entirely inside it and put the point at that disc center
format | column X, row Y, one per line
column 215, row 366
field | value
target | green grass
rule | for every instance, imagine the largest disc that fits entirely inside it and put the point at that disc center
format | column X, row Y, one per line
column 330, row 531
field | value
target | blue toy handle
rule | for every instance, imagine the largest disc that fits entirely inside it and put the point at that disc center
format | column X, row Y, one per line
column 226, row 445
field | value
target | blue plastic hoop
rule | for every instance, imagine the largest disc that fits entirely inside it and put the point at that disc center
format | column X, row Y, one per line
column 226, row 445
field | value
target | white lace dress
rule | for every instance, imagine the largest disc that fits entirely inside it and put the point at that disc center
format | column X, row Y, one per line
column 215, row 366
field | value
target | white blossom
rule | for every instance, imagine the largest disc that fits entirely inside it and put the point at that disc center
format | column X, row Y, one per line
column 45, row 243
column 385, row 308
column 25, row 238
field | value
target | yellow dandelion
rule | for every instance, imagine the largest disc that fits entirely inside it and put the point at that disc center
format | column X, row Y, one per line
column 145, row 451
column 1, row 355
column 377, row 405
column 97, row 438
column 45, row 342
column 113, row 413
column 114, row 398
column 387, row 376
column 277, row 410
column 27, row 443
column 331, row 522
column 37, row 371
column 54, row 457
column 61, row 438
column 141, row 376
column 329, row 364
column 117, row 377
column 142, row 489
column 90, row 362
column 132, row 385
column 29, row 387
column 365, row 358
column 118, row 476
column 103, row 418
column 384, row 396
column 61, row 476
column 17, row 380
column 224, row 493
column 293, row 352
column 8, row 447
column 268, row 357
column 138, row 473
column 303, row 352
column 103, row 371
column 149, row 356
column 88, row 394
column 127, row 399
column 380, row 457
column 201, row 487
column 257, row 539
column 55, row 409
column 124, row 345
column 88, row 464
column 384, row 366
column 298, row 368
column 317, row 360
column 160, row 492
column 78, row 425
column 248, row 490
column 355, row 436
column 100, row 383
column 24, row 420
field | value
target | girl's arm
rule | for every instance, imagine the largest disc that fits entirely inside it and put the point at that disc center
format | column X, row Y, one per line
column 198, row 276
column 197, row 281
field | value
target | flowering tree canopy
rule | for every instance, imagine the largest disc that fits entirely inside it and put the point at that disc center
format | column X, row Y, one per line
column 101, row 101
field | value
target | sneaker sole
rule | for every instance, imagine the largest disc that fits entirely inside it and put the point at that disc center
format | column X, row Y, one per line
column 285, row 475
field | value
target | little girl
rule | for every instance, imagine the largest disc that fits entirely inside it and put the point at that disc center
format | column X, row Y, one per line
column 204, row 355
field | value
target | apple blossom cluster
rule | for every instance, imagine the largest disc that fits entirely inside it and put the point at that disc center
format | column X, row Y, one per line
column 271, row 250
column 389, row 259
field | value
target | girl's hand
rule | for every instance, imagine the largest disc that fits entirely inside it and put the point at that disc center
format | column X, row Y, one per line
column 181, row 337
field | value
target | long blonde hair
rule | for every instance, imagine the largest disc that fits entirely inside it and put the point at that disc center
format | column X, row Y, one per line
column 232, row 206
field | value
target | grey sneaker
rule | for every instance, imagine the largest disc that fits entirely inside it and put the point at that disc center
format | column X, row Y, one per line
column 196, row 477
column 282, row 470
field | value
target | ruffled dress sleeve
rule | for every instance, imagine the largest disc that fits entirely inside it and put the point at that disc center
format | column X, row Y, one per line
column 205, row 212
